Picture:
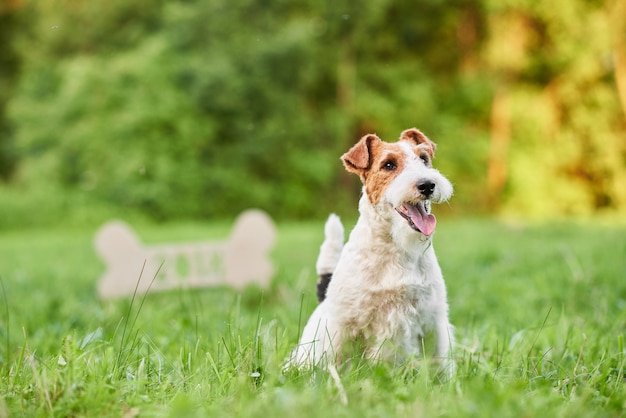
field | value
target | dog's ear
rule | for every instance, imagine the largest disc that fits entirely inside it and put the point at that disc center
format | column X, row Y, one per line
column 358, row 159
column 416, row 136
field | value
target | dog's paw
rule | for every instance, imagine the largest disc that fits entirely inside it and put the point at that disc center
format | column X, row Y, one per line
column 447, row 370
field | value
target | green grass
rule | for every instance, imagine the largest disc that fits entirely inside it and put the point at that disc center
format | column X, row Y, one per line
column 539, row 312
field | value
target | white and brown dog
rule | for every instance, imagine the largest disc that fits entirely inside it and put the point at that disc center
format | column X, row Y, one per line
column 384, row 288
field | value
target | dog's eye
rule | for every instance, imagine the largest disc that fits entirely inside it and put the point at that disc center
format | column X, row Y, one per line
column 426, row 158
column 389, row 165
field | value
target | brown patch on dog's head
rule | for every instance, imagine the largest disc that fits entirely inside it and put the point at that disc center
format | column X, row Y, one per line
column 376, row 162
column 423, row 143
column 358, row 158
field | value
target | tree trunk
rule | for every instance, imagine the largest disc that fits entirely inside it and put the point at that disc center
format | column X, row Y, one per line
column 497, row 169
column 619, row 49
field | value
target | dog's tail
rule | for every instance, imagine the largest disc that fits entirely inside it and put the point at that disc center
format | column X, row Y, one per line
column 330, row 251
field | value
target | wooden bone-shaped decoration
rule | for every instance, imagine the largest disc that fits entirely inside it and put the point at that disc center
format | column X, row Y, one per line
column 241, row 259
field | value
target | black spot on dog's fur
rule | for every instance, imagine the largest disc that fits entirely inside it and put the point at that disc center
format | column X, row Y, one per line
column 322, row 285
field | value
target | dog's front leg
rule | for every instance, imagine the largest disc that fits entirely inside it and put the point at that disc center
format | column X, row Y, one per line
column 445, row 344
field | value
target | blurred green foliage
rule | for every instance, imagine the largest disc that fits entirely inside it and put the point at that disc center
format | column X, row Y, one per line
column 197, row 109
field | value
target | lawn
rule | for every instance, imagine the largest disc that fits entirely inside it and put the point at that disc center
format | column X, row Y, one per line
column 540, row 314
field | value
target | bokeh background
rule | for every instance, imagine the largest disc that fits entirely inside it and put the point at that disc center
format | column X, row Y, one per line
column 197, row 109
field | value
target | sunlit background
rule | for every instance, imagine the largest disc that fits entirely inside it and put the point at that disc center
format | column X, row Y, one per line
column 199, row 109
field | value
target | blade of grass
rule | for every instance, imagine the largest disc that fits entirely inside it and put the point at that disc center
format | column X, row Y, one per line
column 8, row 323
column 141, row 303
column 543, row 325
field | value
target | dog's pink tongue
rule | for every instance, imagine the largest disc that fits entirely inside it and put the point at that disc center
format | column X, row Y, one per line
column 422, row 220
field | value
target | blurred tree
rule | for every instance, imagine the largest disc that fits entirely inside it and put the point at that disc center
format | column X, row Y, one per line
column 9, row 69
column 618, row 35
column 558, row 140
column 197, row 109
column 176, row 113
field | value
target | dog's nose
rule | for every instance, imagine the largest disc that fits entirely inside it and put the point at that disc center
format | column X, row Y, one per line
column 426, row 187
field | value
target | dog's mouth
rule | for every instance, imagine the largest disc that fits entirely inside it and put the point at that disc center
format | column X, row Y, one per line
column 418, row 217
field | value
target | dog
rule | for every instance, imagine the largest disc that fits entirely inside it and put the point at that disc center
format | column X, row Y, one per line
column 384, row 288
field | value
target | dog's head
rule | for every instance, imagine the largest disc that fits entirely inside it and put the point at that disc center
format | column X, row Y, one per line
column 399, row 179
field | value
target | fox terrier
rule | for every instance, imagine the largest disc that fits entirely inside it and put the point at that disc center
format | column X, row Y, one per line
column 383, row 289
